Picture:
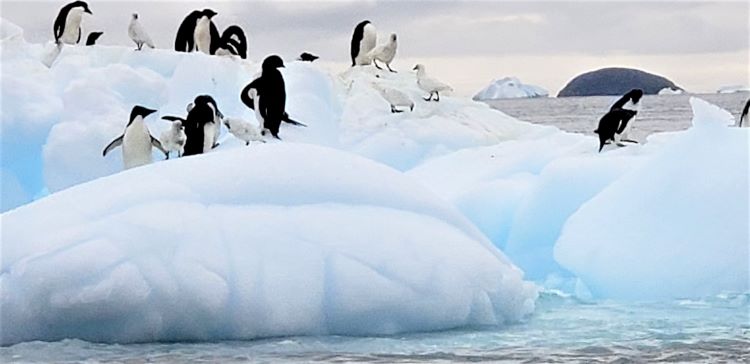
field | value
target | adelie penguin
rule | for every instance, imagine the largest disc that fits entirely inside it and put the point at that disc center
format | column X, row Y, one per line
column 271, row 95
column 185, row 39
column 136, row 141
column 200, row 125
column 631, row 101
column 233, row 42
column 205, row 39
column 67, row 27
column 93, row 36
column 364, row 40
column 611, row 124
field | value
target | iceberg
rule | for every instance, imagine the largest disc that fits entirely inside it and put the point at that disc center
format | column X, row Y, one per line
column 269, row 240
column 671, row 91
column 732, row 89
column 509, row 88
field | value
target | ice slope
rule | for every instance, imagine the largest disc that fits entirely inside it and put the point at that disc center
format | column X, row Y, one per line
column 509, row 88
column 280, row 239
column 676, row 226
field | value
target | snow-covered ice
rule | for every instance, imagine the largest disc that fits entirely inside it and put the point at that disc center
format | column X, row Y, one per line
column 509, row 88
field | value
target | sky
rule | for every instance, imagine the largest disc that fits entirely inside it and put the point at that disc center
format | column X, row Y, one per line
column 701, row 46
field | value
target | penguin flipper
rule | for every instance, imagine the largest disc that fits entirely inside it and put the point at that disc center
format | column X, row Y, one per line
column 157, row 144
column 289, row 120
column 173, row 118
column 112, row 145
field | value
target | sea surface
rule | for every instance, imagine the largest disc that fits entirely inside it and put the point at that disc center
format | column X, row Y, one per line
column 562, row 329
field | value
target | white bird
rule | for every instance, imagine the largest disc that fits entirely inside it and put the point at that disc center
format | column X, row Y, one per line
column 430, row 85
column 138, row 34
column 394, row 97
column 243, row 130
column 174, row 138
column 385, row 52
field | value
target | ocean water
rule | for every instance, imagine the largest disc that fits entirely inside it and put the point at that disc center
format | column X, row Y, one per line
column 582, row 114
column 562, row 329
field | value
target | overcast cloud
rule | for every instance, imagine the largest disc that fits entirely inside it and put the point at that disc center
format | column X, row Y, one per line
column 699, row 45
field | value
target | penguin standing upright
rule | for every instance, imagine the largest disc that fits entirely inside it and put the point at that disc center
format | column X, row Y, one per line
column 199, row 128
column 67, row 27
column 271, row 92
column 185, row 39
column 138, row 34
column 233, row 41
column 205, row 35
column 631, row 102
column 136, row 141
column 364, row 40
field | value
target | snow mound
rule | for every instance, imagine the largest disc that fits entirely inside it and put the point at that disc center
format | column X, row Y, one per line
column 268, row 240
column 676, row 226
column 509, row 88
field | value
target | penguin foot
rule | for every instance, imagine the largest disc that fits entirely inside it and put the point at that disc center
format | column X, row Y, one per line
column 389, row 68
column 394, row 110
column 437, row 96
column 215, row 145
column 376, row 64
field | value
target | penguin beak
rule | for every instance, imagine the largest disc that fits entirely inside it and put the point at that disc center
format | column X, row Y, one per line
column 414, row 69
column 148, row 112
column 88, row 11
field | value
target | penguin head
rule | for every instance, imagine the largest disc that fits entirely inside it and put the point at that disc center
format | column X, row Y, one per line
column 272, row 62
column 141, row 111
column 207, row 100
column 83, row 5
column 209, row 13
column 635, row 95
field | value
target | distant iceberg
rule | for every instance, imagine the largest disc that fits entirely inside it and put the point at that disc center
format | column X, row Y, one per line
column 732, row 89
column 509, row 88
column 671, row 91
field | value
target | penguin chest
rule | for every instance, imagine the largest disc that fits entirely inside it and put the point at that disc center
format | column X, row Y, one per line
column 202, row 36
column 72, row 28
column 136, row 146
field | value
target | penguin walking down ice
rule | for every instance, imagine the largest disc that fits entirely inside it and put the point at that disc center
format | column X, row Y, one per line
column 136, row 141
column 93, row 36
column 431, row 85
column 138, row 34
column 364, row 39
column 631, row 102
column 611, row 124
column 385, row 53
column 394, row 97
column 745, row 110
column 174, row 138
column 67, row 27
column 307, row 57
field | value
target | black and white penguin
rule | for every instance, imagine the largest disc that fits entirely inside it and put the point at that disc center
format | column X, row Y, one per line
column 67, row 27
column 205, row 35
column 611, row 124
column 185, row 39
column 271, row 94
column 200, row 128
column 364, row 39
column 136, row 141
column 630, row 101
column 307, row 57
column 233, row 41
column 93, row 36
column 743, row 116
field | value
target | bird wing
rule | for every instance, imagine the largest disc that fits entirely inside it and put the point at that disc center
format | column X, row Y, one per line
column 431, row 84
column 112, row 145
column 396, row 97
column 626, row 116
column 157, row 144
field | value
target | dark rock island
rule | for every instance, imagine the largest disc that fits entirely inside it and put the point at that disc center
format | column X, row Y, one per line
column 615, row 81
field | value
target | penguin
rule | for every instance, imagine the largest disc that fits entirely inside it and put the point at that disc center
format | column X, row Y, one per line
column 138, row 34
column 174, row 138
column 185, row 39
column 307, row 57
column 200, row 128
column 611, row 124
column 629, row 101
column 385, row 53
column 136, row 141
column 67, row 27
column 204, row 38
column 93, row 36
column 233, row 41
column 743, row 116
column 271, row 92
column 213, row 129
column 394, row 97
column 364, row 40
column 243, row 130
column 430, row 85
column 249, row 97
